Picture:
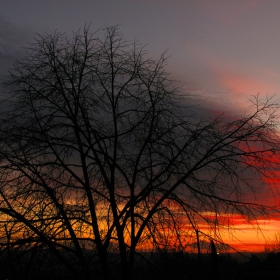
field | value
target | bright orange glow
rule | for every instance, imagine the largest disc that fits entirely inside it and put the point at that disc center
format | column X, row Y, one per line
column 246, row 238
column 240, row 232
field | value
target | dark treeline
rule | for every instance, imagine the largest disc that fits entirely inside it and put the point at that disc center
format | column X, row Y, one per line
column 40, row 264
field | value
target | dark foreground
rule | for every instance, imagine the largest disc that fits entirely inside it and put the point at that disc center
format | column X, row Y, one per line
column 162, row 266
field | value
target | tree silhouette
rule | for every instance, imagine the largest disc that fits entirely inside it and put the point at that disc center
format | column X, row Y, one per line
column 100, row 154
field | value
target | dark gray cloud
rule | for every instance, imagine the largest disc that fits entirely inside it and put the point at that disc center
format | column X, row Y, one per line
column 12, row 41
column 204, row 104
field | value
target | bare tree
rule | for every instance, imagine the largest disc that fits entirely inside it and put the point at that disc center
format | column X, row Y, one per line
column 100, row 154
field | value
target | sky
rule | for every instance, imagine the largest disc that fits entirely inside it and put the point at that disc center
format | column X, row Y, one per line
column 222, row 51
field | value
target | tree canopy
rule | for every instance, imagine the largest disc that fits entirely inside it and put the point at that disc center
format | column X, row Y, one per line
column 103, row 159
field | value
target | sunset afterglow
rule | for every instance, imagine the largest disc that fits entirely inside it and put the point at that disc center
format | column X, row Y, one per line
column 222, row 53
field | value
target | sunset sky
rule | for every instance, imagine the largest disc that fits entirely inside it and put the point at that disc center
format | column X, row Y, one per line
column 222, row 51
